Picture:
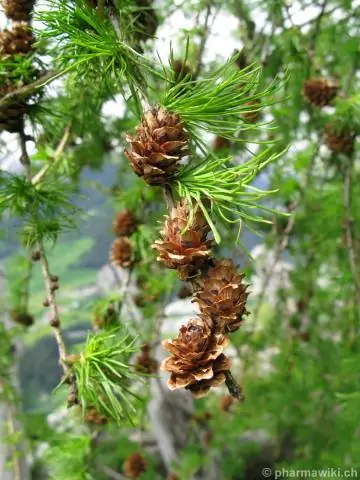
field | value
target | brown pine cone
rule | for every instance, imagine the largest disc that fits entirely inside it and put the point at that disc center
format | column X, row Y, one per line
column 18, row 10
column 22, row 318
column 189, row 252
column 181, row 70
column 134, row 466
column 320, row 91
column 254, row 115
column 221, row 143
column 196, row 362
column 185, row 292
column 160, row 143
column 12, row 116
column 222, row 297
column 145, row 363
column 121, row 252
column 125, row 223
column 18, row 41
column 94, row 417
column 226, row 402
column 172, row 476
column 339, row 140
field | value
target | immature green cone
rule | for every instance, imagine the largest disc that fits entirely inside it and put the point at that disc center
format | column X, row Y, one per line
column 18, row 41
column 339, row 140
column 197, row 362
column 222, row 297
column 320, row 91
column 187, row 252
column 121, row 252
column 18, row 10
column 160, row 143
column 134, row 466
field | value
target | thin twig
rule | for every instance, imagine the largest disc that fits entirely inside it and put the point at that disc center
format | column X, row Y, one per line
column 168, row 198
column 49, row 285
column 203, row 40
column 24, row 158
column 15, row 456
column 288, row 14
column 111, row 473
column 56, row 157
column 329, row 12
column 349, row 234
column 51, row 297
column 316, row 33
column 27, row 90
column 26, row 287
column 349, row 230
column 234, row 389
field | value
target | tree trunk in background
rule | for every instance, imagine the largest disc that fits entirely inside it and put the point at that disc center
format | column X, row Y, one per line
column 18, row 469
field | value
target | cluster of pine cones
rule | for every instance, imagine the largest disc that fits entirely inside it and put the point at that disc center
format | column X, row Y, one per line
column 17, row 41
column 320, row 92
column 145, row 363
column 135, row 465
column 121, row 252
column 197, row 361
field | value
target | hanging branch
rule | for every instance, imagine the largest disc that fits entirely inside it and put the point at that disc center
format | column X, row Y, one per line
column 234, row 389
column 204, row 37
column 30, row 88
column 349, row 231
column 51, row 286
column 56, row 157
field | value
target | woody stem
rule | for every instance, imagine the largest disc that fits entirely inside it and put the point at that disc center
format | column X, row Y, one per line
column 234, row 389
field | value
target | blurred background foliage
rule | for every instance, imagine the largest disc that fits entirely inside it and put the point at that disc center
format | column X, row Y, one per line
column 297, row 355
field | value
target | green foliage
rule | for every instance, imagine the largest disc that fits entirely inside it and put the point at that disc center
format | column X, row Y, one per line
column 19, row 70
column 104, row 376
column 219, row 102
column 7, row 392
column 88, row 44
column 347, row 114
column 299, row 350
column 227, row 187
column 45, row 208
column 67, row 457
